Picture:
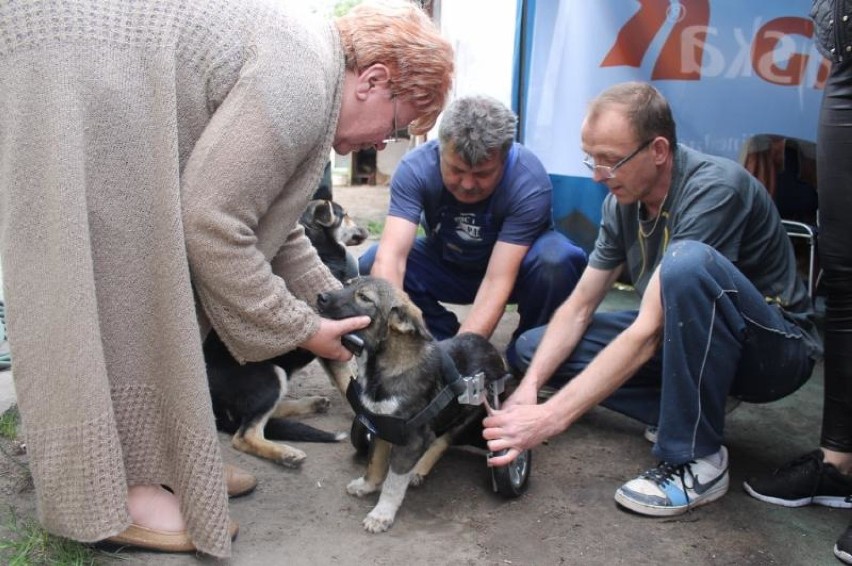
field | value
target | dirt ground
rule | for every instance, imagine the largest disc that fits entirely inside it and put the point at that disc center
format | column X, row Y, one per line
column 567, row 516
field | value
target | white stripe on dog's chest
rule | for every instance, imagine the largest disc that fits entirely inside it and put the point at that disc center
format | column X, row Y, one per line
column 385, row 407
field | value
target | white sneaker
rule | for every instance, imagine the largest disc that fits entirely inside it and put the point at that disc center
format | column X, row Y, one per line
column 671, row 489
column 650, row 433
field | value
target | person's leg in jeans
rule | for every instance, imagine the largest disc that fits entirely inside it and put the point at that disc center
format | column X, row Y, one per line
column 429, row 281
column 720, row 338
column 684, row 387
column 548, row 273
column 639, row 398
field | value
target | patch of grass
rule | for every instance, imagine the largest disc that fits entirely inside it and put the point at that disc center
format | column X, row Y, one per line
column 25, row 543
column 9, row 422
column 375, row 227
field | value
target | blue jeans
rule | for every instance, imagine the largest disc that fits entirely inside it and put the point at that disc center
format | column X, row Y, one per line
column 720, row 338
column 549, row 271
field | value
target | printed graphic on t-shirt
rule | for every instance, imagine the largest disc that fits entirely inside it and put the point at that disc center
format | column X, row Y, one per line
column 467, row 227
column 466, row 237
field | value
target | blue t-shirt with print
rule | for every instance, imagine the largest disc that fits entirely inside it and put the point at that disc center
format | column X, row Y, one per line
column 517, row 212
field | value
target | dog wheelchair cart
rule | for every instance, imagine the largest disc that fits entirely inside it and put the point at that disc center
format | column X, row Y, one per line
column 509, row 480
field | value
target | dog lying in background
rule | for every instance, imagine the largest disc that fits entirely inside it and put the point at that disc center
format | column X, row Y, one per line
column 330, row 230
column 400, row 373
column 249, row 400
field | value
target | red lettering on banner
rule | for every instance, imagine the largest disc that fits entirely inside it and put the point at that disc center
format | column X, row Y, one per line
column 677, row 61
column 767, row 40
column 822, row 73
column 684, row 48
column 637, row 34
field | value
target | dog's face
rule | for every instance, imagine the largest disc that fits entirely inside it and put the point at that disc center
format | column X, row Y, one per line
column 389, row 308
column 331, row 218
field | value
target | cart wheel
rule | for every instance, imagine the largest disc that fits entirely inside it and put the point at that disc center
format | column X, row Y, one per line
column 511, row 480
column 360, row 436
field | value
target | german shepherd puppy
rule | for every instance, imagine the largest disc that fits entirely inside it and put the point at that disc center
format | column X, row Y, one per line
column 399, row 375
column 248, row 399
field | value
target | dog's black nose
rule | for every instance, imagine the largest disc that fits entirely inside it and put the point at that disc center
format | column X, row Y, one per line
column 322, row 299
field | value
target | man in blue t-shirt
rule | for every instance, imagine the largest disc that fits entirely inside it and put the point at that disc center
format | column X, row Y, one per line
column 485, row 204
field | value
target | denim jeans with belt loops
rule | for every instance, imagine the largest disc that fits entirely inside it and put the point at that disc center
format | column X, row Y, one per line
column 720, row 338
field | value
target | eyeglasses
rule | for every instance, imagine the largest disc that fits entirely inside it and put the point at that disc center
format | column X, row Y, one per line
column 392, row 137
column 608, row 171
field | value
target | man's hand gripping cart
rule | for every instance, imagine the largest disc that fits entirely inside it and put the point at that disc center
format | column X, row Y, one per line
column 509, row 480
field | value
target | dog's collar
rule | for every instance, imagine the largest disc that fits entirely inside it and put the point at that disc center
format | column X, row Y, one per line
column 397, row 429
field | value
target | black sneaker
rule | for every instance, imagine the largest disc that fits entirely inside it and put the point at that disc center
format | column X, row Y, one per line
column 843, row 546
column 804, row 481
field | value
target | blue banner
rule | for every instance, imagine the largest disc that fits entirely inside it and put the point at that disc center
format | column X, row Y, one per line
column 731, row 69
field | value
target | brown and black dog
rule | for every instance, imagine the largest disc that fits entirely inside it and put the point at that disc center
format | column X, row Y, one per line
column 330, row 229
column 401, row 370
column 249, row 399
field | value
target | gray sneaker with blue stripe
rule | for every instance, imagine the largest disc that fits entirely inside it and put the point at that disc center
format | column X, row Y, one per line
column 672, row 489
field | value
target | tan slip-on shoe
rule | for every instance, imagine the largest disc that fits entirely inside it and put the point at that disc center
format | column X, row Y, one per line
column 137, row 536
column 239, row 481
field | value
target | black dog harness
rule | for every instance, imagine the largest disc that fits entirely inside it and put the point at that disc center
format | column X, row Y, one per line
column 396, row 429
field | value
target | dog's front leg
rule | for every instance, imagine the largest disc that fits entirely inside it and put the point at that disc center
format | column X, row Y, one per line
column 402, row 461
column 430, row 458
column 377, row 469
column 340, row 374
column 252, row 441
column 299, row 407
column 393, row 492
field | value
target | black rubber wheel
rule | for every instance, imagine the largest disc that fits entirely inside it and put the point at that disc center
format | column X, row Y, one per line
column 360, row 436
column 511, row 480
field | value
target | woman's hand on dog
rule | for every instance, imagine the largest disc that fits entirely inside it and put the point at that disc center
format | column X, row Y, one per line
column 326, row 343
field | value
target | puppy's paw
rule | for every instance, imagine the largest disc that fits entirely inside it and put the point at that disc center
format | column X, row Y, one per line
column 320, row 404
column 377, row 522
column 292, row 458
column 416, row 480
column 360, row 487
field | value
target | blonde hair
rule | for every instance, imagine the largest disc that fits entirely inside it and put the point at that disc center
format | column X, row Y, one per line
column 403, row 38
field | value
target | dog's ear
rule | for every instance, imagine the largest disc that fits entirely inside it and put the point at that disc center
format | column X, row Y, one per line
column 320, row 212
column 406, row 318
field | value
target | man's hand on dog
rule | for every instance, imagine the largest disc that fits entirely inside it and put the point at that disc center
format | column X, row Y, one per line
column 326, row 342
column 516, row 428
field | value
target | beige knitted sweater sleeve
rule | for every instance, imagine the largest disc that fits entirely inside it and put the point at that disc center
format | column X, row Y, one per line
column 243, row 188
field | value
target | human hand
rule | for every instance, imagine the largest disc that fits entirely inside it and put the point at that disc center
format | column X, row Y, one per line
column 516, row 429
column 525, row 393
column 326, row 343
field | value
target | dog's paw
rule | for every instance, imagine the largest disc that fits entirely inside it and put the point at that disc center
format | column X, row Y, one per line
column 377, row 522
column 321, row 404
column 360, row 487
column 292, row 458
column 416, row 480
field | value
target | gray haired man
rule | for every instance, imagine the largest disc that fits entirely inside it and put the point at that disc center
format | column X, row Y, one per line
column 484, row 201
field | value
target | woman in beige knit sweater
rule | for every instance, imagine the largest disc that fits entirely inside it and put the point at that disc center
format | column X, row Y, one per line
column 154, row 159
